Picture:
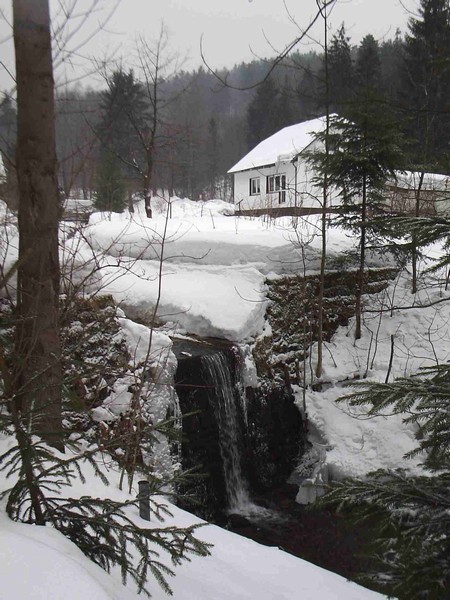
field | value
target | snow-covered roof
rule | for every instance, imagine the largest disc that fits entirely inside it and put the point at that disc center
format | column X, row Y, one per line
column 431, row 181
column 282, row 146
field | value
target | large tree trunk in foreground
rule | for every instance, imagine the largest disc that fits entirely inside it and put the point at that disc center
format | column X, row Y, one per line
column 38, row 375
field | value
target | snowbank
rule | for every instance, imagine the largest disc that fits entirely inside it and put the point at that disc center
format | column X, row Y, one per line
column 213, row 285
column 417, row 337
column 38, row 563
column 214, row 265
column 237, row 569
column 198, row 299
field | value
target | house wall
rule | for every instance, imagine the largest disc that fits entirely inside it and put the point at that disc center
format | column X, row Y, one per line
column 307, row 194
column 403, row 201
column 443, row 204
column 434, row 197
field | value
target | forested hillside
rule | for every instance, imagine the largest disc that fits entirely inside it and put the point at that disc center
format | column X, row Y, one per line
column 157, row 126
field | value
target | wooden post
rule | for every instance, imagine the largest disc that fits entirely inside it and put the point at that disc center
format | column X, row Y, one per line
column 144, row 500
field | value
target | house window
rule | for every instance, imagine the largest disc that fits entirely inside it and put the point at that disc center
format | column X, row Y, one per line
column 255, row 186
column 276, row 184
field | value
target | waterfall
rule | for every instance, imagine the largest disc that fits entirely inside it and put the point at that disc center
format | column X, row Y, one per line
column 242, row 436
column 222, row 395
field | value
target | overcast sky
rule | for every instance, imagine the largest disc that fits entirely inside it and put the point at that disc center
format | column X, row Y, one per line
column 233, row 30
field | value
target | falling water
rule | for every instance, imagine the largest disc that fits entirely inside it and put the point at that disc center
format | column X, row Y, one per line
column 223, row 398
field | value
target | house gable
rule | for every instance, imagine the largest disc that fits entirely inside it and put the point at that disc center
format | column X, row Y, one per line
column 273, row 174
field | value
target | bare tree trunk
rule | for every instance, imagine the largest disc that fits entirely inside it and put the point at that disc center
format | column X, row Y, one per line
column 323, row 256
column 148, row 199
column 362, row 260
column 38, row 376
column 414, row 251
column 130, row 201
column 148, row 179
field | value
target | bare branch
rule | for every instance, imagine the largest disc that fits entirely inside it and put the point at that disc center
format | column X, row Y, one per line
column 278, row 59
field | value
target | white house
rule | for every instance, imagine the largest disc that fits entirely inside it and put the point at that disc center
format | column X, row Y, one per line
column 433, row 191
column 275, row 174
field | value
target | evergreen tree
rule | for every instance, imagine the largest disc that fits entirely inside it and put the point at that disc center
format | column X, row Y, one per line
column 368, row 65
column 195, row 134
column 340, row 72
column 411, row 547
column 363, row 153
column 110, row 188
column 284, row 112
column 124, row 115
column 392, row 62
column 426, row 88
column 212, row 157
column 412, row 512
column 426, row 82
column 366, row 151
column 307, row 97
column 262, row 113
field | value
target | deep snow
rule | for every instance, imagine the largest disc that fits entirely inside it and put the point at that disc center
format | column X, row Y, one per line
column 38, row 563
column 213, row 284
column 213, row 275
column 214, row 265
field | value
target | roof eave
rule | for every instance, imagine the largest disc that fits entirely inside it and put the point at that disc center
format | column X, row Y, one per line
column 253, row 168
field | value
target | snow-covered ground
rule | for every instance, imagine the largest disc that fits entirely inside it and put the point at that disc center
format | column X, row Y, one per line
column 212, row 284
column 38, row 563
column 214, row 264
column 213, row 274
column 416, row 337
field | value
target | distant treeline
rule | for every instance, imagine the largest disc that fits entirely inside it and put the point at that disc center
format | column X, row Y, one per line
column 152, row 129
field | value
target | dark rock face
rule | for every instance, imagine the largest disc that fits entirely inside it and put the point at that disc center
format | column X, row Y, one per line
column 269, row 432
column 275, row 435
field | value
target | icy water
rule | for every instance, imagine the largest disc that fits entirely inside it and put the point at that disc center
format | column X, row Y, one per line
column 317, row 535
column 222, row 398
